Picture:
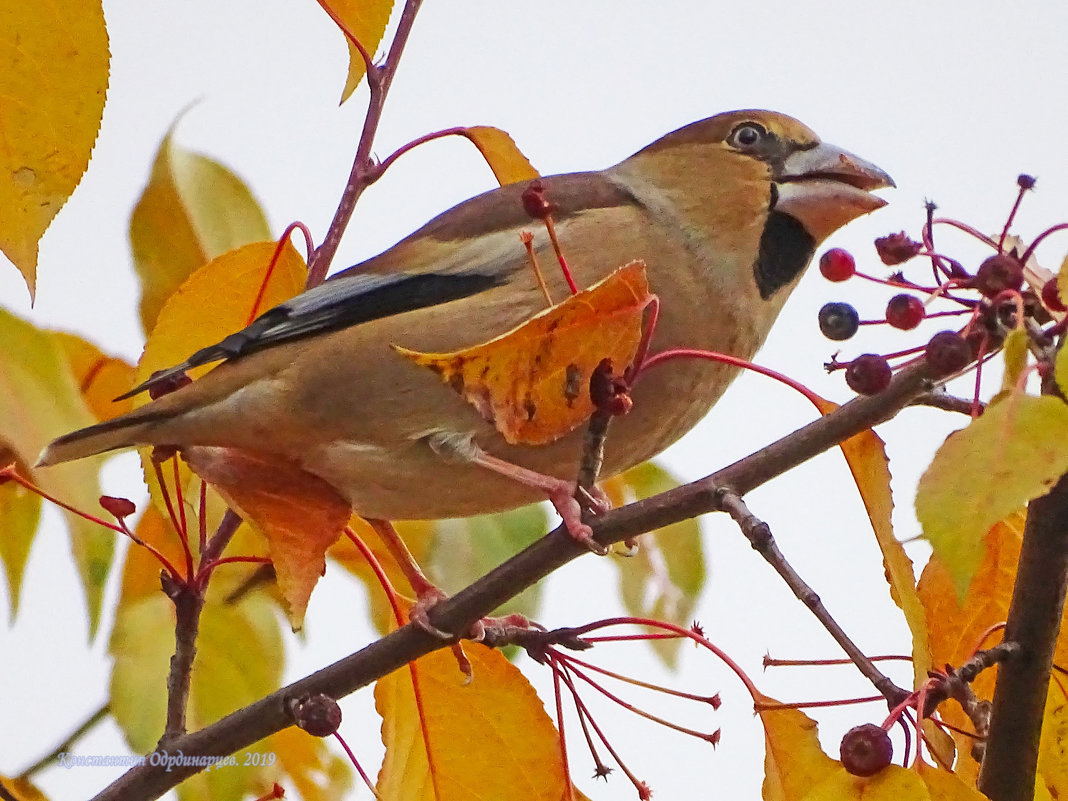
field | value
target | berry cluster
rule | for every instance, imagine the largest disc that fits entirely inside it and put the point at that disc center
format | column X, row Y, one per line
column 990, row 302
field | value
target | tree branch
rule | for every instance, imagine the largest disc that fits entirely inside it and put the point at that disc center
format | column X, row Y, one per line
column 1010, row 765
column 267, row 716
column 363, row 172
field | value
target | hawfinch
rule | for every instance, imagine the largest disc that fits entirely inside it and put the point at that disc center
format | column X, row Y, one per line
column 726, row 213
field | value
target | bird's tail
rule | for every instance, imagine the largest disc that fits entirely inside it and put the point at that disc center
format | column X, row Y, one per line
column 122, row 432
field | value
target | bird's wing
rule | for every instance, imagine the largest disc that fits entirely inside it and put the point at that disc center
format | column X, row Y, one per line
column 356, row 298
column 467, row 250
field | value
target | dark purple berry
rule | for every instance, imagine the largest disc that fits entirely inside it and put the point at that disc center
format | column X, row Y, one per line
column 837, row 265
column 997, row 274
column 866, row 750
column 896, row 248
column 947, row 353
column 905, row 311
column 838, row 321
column 1025, row 182
column 868, row 374
column 318, row 715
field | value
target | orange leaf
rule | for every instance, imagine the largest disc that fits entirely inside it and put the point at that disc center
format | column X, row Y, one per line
column 100, row 377
column 532, row 383
column 955, row 625
column 300, row 514
column 235, row 287
column 488, row 741
column 501, row 153
column 53, row 78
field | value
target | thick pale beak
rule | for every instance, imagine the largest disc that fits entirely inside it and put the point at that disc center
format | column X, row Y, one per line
column 825, row 187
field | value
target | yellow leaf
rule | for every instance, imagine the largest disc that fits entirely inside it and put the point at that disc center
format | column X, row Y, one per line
column 793, row 758
column 304, row 760
column 192, row 210
column 490, row 740
column 367, row 21
column 53, row 78
column 1053, row 747
column 983, row 473
column 663, row 579
column 1015, row 349
column 22, row 789
column 299, row 514
column 40, row 399
column 501, row 153
column 892, row 783
column 945, row 786
column 532, row 382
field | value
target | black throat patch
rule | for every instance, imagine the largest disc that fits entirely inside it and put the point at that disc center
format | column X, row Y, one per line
column 785, row 249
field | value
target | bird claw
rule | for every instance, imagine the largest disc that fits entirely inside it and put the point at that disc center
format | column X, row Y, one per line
column 570, row 511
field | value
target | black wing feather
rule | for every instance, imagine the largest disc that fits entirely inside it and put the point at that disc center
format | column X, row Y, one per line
column 353, row 299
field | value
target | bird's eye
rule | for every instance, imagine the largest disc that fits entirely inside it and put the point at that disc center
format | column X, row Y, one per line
column 746, row 135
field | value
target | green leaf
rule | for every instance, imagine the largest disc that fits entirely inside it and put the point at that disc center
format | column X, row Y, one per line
column 39, row 400
column 665, row 577
column 20, row 512
column 467, row 548
column 1014, row 452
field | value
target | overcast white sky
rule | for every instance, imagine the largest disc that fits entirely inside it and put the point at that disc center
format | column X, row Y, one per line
column 954, row 99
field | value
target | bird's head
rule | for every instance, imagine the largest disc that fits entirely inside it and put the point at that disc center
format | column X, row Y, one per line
column 765, row 169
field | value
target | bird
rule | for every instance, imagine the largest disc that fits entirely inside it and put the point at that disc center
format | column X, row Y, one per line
column 726, row 212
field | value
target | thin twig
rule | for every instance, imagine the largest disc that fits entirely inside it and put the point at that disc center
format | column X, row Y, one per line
column 90, row 723
column 363, row 173
column 759, row 535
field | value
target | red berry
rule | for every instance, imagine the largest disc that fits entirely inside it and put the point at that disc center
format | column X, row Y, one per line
column 1051, row 296
column 896, row 248
column 317, row 714
column 868, row 374
column 905, row 311
column 119, row 507
column 837, row 265
column 947, row 353
column 997, row 274
column 866, row 750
